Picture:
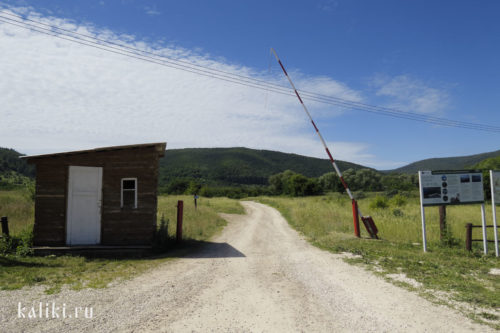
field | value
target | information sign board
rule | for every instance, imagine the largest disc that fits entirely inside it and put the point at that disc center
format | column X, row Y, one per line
column 439, row 188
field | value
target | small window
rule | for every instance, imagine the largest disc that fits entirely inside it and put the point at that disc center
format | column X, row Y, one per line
column 129, row 193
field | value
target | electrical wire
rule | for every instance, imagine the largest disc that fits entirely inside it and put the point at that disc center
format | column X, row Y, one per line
column 117, row 48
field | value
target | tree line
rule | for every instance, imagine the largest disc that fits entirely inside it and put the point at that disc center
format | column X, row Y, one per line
column 291, row 183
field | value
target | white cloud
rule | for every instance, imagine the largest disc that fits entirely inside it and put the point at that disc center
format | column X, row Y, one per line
column 57, row 96
column 328, row 5
column 151, row 11
column 410, row 94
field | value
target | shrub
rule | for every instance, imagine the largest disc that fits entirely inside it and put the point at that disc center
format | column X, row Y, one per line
column 29, row 191
column 25, row 243
column 397, row 212
column 398, row 200
column 5, row 245
column 20, row 244
column 193, row 188
column 379, row 202
column 177, row 186
column 162, row 239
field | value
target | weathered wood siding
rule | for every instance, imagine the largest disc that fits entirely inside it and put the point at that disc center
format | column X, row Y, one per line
column 119, row 226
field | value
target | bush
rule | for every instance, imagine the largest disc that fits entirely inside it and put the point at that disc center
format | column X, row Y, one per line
column 162, row 239
column 398, row 200
column 20, row 244
column 5, row 245
column 379, row 202
column 398, row 212
column 29, row 191
column 25, row 243
column 178, row 186
column 193, row 188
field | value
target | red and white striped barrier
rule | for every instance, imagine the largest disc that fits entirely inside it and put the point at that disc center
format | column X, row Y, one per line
column 367, row 220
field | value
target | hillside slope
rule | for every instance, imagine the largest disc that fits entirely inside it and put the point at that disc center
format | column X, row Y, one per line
column 446, row 163
column 230, row 166
column 11, row 163
column 492, row 163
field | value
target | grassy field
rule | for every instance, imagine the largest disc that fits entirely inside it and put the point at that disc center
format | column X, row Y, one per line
column 79, row 272
column 400, row 221
column 19, row 208
column 447, row 273
column 201, row 223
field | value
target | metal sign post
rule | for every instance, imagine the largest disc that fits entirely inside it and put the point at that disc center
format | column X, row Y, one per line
column 485, row 235
column 422, row 212
column 494, row 179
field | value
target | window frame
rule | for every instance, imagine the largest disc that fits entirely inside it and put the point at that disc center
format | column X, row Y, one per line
column 135, row 190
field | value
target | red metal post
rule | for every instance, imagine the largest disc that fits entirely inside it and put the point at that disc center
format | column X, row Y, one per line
column 356, row 218
column 180, row 205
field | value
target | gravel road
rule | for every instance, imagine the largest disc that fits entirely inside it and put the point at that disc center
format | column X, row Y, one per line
column 259, row 275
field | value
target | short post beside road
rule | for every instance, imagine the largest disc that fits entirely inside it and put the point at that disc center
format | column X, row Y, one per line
column 180, row 206
column 468, row 236
column 196, row 201
column 5, row 226
column 442, row 222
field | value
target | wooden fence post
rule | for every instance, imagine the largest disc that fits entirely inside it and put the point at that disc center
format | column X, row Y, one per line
column 442, row 222
column 468, row 236
column 5, row 226
column 180, row 205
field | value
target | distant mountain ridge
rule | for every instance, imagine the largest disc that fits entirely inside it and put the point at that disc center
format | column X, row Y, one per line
column 446, row 163
column 229, row 166
column 239, row 166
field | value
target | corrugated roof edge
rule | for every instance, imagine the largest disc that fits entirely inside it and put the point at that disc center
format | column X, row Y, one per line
column 160, row 147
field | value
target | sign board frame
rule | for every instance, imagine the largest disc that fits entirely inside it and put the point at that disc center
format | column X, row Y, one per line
column 466, row 186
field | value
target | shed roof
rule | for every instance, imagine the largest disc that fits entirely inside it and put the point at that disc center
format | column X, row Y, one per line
column 159, row 146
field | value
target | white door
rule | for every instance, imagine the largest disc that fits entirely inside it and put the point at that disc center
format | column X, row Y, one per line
column 84, row 206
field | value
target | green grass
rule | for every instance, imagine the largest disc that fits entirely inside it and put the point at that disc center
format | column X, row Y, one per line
column 447, row 267
column 399, row 222
column 79, row 272
column 201, row 223
column 19, row 208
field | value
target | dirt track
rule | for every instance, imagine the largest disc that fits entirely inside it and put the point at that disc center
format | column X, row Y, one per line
column 258, row 275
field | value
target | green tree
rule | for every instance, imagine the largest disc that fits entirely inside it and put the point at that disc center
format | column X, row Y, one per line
column 331, row 182
column 193, row 187
column 178, row 186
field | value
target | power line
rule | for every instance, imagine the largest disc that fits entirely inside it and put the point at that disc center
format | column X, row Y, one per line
column 235, row 78
column 227, row 76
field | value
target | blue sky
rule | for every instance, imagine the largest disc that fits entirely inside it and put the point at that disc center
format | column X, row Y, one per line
column 437, row 58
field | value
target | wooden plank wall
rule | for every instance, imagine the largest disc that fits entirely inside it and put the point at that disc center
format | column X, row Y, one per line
column 118, row 226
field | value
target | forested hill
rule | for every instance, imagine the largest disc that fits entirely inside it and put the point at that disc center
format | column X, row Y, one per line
column 239, row 165
column 446, row 163
column 10, row 162
column 233, row 166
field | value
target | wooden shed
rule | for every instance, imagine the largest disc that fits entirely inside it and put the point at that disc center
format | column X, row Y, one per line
column 103, row 196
